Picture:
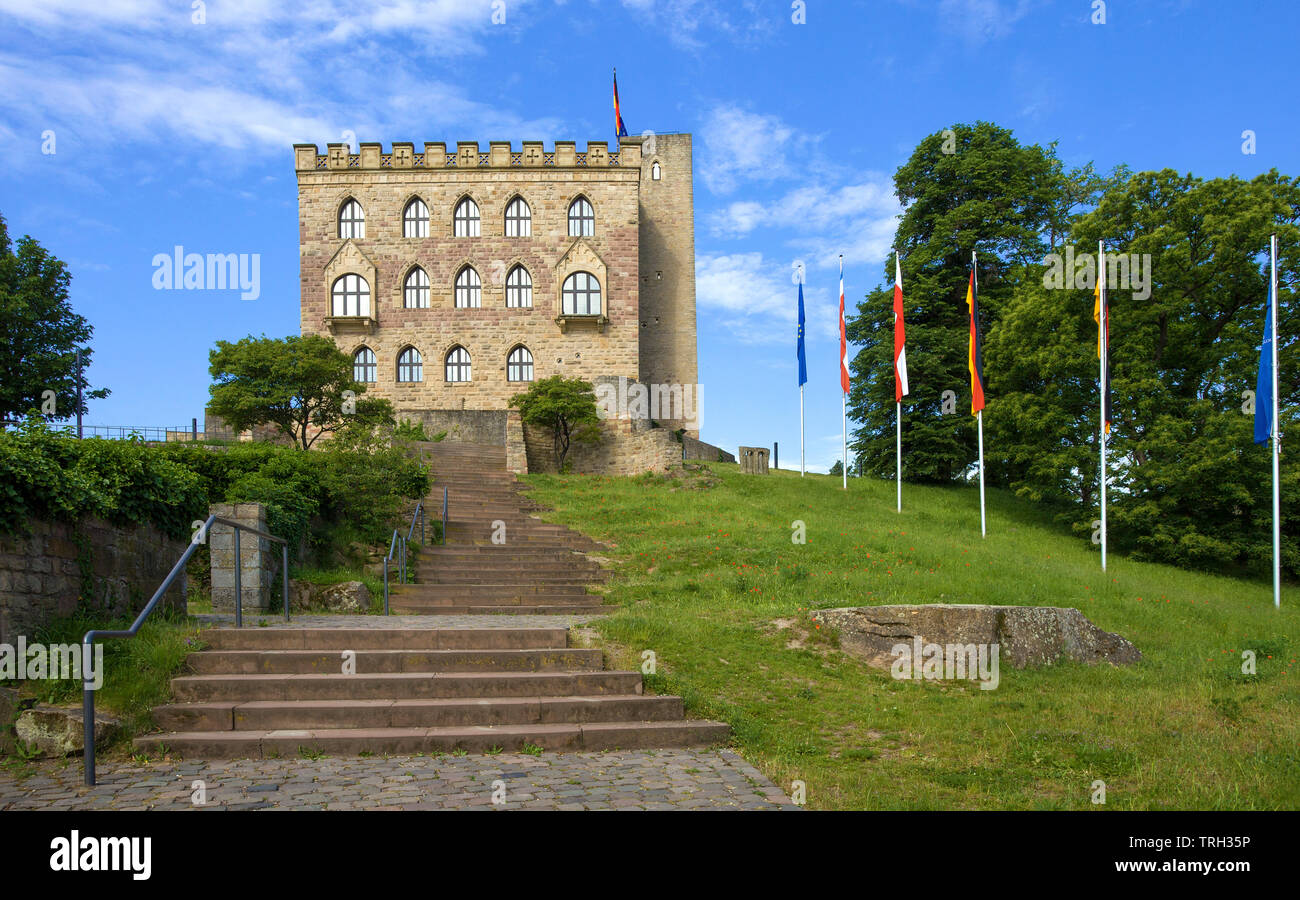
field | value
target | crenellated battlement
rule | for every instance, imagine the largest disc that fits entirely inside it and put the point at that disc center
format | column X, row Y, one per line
column 467, row 155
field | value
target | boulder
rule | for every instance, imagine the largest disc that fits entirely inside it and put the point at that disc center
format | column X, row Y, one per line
column 1028, row 636
column 55, row 731
column 345, row 597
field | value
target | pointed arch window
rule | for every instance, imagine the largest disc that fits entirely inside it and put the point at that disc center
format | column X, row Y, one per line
column 410, row 366
column 415, row 219
column 582, row 218
column 364, row 368
column 466, row 219
column 519, row 365
column 581, row 295
column 469, row 290
column 415, row 292
column 458, row 368
column 656, row 172
column 519, row 218
column 352, row 220
column 351, row 296
column 519, row 288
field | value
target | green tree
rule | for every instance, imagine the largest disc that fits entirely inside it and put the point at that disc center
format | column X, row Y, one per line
column 969, row 188
column 1189, row 486
column 564, row 406
column 301, row 385
column 838, row 468
column 39, row 335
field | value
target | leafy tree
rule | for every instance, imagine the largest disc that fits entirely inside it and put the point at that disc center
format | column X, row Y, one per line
column 838, row 468
column 991, row 194
column 1189, row 486
column 566, row 407
column 298, row 384
column 39, row 335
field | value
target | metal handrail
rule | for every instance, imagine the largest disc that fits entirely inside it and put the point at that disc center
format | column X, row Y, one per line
column 88, row 641
column 444, row 515
column 396, row 548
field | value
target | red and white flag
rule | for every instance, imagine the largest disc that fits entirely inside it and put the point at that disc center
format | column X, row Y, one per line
column 900, row 344
column 844, row 339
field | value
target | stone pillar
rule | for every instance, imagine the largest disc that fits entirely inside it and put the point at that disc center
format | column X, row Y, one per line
column 753, row 460
column 516, row 452
column 258, row 558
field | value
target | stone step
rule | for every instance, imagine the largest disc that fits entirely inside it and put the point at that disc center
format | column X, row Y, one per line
column 408, row 741
column 269, row 715
column 523, row 609
column 291, row 638
column 487, row 591
column 269, row 662
column 401, row 685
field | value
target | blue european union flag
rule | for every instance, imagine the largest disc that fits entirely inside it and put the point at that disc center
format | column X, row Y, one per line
column 803, row 362
column 1264, row 382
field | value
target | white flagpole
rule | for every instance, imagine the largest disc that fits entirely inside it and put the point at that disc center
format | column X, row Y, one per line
column 980, row 415
column 1103, row 315
column 802, row 469
column 898, row 409
column 844, row 399
column 1277, row 440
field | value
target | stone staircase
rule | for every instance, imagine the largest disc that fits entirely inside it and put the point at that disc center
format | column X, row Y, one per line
column 281, row 692
column 538, row 568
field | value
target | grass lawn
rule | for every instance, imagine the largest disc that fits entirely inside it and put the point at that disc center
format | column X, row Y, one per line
column 709, row 579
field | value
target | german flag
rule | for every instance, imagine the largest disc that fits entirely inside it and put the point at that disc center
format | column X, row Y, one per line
column 975, row 354
column 620, row 130
column 1101, row 315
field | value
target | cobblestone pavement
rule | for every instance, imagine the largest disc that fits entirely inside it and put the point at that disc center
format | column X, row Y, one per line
column 275, row 619
column 644, row 779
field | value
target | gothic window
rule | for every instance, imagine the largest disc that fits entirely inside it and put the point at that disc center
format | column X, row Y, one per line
column 351, row 296
column 582, row 218
column 458, row 364
column 519, row 288
column 415, row 219
column 363, row 366
column 352, row 221
column 519, row 365
column 469, row 290
column 519, row 218
column 467, row 219
column 410, row 367
column 415, row 293
column 655, row 172
column 581, row 295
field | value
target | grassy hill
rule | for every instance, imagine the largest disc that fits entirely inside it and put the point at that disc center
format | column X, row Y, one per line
column 709, row 579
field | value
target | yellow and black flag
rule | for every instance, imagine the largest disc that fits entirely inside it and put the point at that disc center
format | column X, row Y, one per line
column 975, row 353
column 1101, row 315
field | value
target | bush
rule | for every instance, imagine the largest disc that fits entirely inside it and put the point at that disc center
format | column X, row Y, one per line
column 327, row 499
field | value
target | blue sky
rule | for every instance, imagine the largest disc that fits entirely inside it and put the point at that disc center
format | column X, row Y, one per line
column 171, row 132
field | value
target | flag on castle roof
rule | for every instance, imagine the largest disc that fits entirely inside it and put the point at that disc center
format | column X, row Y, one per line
column 619, row 128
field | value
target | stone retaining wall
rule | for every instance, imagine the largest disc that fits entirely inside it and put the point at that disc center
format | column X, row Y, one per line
column 114, row 568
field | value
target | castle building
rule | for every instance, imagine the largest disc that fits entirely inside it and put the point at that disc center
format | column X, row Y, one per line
column 454, row 277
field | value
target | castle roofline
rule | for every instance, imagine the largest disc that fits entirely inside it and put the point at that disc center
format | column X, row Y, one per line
column 626, row 153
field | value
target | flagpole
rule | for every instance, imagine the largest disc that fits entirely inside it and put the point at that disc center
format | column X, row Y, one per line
column 844, row 397
column 1103, row 317
column 802, row 468
column 979, row 416
column 898, row 404
column 898, row 445
column 1277, row 435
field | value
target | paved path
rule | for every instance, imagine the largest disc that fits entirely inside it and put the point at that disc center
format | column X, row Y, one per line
column 644, row 779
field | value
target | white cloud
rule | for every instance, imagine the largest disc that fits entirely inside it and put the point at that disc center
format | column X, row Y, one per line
column 743, row 146
column 977, row 21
